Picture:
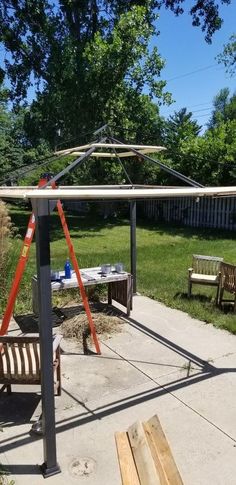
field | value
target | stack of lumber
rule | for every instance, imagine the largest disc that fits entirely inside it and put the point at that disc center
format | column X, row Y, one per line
column 145, row 457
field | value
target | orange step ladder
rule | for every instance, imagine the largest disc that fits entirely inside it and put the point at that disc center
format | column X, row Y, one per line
column 22, row 263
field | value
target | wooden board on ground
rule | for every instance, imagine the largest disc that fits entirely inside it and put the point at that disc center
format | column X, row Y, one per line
column 161, row 452
column 145, row 456
column 147, row 472
column 128, row 469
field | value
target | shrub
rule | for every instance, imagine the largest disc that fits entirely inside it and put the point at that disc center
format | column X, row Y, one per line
column 6, row 231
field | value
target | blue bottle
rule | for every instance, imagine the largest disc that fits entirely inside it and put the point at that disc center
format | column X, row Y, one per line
column 67, row 269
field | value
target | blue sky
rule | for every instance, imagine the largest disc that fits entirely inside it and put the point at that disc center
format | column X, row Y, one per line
column 185, row 50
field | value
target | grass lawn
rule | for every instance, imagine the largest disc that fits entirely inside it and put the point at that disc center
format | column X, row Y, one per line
column 163, row 257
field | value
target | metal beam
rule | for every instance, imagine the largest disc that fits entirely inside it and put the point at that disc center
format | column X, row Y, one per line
column 164, row 167
column 41, row 211
column 133, row 253
column 72, row 165
column 100, row 130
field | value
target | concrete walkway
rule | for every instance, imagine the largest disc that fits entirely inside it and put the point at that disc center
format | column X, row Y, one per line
column 162, row 362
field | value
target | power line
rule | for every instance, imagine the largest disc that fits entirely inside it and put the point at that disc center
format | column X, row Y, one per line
column 77, row 138
column 201, row 116
column 203, row 109
column 40, row 162
column 199, row 104
column 192, row 72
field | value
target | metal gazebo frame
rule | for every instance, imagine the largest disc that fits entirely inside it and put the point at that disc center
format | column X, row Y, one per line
column 40, row 199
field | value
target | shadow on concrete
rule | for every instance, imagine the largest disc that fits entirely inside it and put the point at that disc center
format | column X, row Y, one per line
column 17, row 408
column 205, row 371
column 29, row 323
column 23, row 470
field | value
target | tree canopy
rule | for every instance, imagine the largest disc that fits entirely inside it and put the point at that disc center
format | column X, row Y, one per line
column 91, row 63
column 228, row 56
column 42, row 36
column 224, row 108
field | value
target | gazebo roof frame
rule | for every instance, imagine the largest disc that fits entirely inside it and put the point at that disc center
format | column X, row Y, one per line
column 131, row 193
column 41, row 207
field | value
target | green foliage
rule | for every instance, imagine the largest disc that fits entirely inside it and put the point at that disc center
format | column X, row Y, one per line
column 180, row 127
column 16, row 150
column 92, row 65
column 180, row 130
column 210, row 159
column 84, row 55
column 11, row 153
column 228, row 56
column 37, row 34
column 99, row 80
column 224, row 108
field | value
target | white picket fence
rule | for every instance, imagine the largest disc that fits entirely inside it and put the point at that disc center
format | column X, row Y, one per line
column 203, row 212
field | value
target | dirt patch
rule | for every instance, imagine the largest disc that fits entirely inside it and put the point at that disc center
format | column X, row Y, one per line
column 106, row 320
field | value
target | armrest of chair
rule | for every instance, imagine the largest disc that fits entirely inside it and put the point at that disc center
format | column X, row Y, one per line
column 221, row 278
column 56, row 342
column 190, row 270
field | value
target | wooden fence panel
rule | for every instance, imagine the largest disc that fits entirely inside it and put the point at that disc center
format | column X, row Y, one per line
column 219, row 213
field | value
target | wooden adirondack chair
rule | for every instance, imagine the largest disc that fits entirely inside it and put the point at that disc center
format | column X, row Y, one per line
column 20, row 361
column 205, row 271
column 228, row 283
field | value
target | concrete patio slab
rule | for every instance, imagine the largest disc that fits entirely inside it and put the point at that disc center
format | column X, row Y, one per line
column 163, row 362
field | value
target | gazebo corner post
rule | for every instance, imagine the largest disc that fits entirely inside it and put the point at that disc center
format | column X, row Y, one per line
column 41, row 210
column 133, row 252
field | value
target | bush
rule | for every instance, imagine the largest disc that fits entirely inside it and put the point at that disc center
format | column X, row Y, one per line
column 6, row 231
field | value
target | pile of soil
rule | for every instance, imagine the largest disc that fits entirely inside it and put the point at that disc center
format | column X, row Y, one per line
column 75, row 326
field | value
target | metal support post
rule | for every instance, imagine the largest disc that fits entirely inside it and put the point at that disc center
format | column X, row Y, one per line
column 42, row 211
column 133, row 254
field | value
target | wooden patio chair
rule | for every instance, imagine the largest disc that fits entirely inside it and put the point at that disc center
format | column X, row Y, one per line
column 228, row 283
column 20, row 361
column 205, row 271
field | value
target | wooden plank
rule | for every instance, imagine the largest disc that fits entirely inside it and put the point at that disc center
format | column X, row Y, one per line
column 7, row 360
column 29, row 360
column 112, row 155
column 15, row 360
column 168, row 471
column 22, row 359
column 128, row 469
column 119, row 146
column 37, row 359
column 147, row 471
column 155, row 456
column 92, row 194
